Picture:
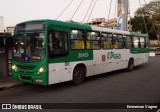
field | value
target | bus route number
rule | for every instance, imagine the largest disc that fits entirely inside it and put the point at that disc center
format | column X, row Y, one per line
column 83, row 55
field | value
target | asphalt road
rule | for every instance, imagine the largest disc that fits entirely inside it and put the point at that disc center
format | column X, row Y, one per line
column 139, row 86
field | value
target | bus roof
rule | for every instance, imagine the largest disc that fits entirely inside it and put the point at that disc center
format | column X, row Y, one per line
column 84, row 26
column 60, row 23
column 108, row 30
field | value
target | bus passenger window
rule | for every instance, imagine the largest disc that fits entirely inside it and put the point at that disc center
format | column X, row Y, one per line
column 57, row 43
column 142, row 41
column 128, row 42
column 136, row 42
column 123, row 42
column 77, row 40
column 93, row 40
column 146, row 42
column 114, row 42
column 54, row 41
column 120, row 41
column 106, row 40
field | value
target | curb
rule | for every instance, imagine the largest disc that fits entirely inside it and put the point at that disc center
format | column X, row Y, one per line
column 10, row 85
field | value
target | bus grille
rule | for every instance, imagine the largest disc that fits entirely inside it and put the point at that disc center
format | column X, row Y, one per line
column 26, row 72
column 26, row 78
column 28, row 67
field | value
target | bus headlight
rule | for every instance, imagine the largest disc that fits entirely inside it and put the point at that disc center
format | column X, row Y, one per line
column 14, row 67
column 41, row 69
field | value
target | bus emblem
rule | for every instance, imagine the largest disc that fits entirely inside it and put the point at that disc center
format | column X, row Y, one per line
column 112, row 55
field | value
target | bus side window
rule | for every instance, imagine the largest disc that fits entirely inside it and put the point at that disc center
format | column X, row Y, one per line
column 147, row 42
column 136, row 42
column 123, row 42
column 93, row 40
column 110, row 37
column 114, row 42
column 57, row 43
column 105, row 40
column 120, row 41
column 128, row 42
column 142, row 42
column 77, row 39
column 53, row 41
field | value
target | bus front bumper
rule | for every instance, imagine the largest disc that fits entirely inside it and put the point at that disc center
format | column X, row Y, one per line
column 41, row 79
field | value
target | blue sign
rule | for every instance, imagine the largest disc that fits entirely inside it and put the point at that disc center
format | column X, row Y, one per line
column 26, row 58
column 122, row 15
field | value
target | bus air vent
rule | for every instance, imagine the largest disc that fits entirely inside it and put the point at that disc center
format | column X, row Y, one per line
column 28, row 67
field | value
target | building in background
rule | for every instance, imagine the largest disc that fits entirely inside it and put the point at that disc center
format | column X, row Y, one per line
column 10, row 30
column 102, row 22
column 112, row 23
column 1, row 24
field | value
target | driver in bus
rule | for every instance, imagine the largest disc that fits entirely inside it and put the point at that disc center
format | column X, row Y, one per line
column 55, row 41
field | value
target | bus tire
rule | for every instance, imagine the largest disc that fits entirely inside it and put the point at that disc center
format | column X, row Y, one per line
column 130, row 65
column 78, row 75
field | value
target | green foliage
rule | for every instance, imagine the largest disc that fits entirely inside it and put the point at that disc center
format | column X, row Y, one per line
column 148, row 15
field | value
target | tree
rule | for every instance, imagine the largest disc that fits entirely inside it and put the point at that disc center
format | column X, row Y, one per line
column 149, row 16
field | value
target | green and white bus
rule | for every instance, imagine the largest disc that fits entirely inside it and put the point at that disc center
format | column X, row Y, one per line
column 48, row 51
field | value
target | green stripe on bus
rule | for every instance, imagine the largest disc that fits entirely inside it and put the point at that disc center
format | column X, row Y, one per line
column 139, row 50
column 74, row 55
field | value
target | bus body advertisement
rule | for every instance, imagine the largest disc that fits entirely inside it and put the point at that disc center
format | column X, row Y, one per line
column 48, row 51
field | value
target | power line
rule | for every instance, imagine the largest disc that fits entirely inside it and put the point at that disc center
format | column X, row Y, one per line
column 109, row 9
column 77, row 9
column 64, row 9
column 115, row 9
column 87, row 11
column 91, row 11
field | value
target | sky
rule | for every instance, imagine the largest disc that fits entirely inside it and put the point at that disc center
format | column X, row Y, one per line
column 16, row 11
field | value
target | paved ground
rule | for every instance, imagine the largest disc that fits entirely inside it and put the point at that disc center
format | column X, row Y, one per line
column 139, row 86
column 7, row 82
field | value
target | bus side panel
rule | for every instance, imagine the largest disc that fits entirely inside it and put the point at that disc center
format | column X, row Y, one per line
column 59, row 72
column 140, row 58
column 108, row 60
column 95, row 66
column 141, row 55
column 116, row 59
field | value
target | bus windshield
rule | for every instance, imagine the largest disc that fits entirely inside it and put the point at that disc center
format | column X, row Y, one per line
column 29, row 46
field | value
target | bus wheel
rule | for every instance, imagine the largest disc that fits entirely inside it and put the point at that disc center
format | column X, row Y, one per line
column 78, row 75
column 130, row 65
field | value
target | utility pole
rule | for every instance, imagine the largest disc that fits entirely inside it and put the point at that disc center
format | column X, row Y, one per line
column 122, row 15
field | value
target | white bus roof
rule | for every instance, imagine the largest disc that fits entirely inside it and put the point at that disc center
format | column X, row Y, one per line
column 110, row 30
